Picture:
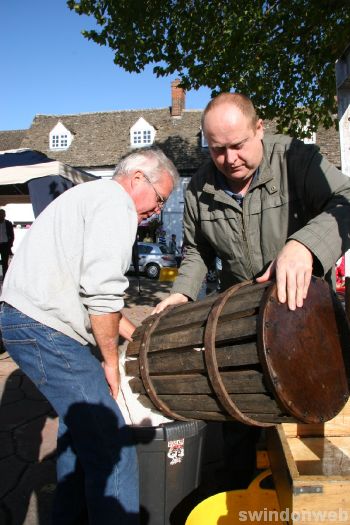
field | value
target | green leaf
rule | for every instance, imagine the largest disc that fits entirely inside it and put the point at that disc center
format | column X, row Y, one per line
column 280, row 53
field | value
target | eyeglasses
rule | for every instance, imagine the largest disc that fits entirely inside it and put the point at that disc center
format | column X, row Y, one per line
column 160, row 200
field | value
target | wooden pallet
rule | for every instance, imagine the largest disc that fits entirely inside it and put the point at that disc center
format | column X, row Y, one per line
column 311, row 469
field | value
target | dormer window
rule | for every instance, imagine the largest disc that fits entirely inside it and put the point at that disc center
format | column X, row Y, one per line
column 60, row 137
column 142, row 134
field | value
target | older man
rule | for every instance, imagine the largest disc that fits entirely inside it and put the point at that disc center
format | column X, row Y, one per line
column 62, row 296
column 266, row 206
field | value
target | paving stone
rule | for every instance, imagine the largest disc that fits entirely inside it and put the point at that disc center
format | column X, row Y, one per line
column 36, row 439
column 6, row 445
column 11, row 469
column 16, row 414
column 137, row 314
column 31, row 501
column 49, row 437
column 7, row 366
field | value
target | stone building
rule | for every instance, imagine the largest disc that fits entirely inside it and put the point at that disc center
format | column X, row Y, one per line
column 95, row 142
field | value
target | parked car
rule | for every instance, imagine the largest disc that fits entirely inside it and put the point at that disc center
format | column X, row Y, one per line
column 152, row 258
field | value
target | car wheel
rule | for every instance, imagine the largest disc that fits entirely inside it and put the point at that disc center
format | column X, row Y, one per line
column 152, row 271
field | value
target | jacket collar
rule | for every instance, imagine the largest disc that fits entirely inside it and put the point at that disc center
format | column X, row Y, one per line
column 266, row 178
column 212, row 186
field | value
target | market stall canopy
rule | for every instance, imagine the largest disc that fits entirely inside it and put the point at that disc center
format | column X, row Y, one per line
column 30, row 176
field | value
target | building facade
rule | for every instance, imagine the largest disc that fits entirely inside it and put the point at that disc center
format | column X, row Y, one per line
column 95, row 142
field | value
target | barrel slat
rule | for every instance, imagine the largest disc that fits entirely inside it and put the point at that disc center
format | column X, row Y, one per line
column 221, row 416
column 271, row 418
column 249, row 381
column 176, row 361
column 138, row 331
column 228, row 329
column 192, row 316
column 197, row 312
column 205, row 415
column 257, row 403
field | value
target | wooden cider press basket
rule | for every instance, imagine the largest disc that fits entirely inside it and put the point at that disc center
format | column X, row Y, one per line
column 241, row 355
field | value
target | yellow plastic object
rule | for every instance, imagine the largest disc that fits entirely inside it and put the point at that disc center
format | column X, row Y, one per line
column 253, row 505
column 168, row 274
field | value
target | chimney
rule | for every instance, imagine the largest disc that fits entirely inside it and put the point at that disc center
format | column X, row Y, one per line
column 177, row 98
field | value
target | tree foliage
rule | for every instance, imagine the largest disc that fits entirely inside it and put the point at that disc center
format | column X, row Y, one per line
column 280, row 53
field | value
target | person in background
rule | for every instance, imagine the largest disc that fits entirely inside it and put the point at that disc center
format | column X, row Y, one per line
column 174, row 250
column 62, row 296
column 269, row 206
column 7, row 237
column 172, row 244
column 162, row 237
column 147, row 238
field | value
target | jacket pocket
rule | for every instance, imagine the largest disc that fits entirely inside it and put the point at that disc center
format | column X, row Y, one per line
column 268, row 202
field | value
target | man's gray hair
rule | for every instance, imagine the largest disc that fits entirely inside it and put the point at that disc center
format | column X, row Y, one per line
column 152, row 161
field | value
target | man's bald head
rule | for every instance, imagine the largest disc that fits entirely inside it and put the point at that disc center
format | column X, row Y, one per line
column 241, row 102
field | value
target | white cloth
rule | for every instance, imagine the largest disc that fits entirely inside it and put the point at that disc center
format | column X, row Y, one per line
column 134, row 411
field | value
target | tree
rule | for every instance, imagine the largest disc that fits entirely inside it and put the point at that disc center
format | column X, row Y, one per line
column 281, row 53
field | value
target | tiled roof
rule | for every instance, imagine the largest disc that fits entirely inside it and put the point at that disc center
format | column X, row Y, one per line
column 101, row 139
column 11, row 139
column 327, row 140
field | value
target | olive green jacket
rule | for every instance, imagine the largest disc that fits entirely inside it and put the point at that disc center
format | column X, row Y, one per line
column 298, row 195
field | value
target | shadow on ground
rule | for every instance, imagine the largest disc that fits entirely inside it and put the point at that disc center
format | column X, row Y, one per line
column 145, row 292
column 27, row 450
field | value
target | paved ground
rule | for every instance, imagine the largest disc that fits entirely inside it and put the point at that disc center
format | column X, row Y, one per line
column 28, row 428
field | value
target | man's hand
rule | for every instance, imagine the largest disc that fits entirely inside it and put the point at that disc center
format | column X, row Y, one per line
column 112, row 377
column 126, row 328
column 293, row 269
column 172, row 300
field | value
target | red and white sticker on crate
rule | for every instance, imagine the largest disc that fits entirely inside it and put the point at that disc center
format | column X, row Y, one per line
column 176, row 451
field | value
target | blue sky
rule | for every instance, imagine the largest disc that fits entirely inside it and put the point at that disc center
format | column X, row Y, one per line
column 48, row 67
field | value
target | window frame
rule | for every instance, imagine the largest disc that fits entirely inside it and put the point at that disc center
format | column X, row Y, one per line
column 60, row 138
column 142, row 134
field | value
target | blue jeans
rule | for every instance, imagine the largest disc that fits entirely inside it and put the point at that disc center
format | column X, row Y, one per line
column 97, row 472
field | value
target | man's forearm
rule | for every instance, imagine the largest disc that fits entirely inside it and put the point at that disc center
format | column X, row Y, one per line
column 105, row 329
column 126, row 328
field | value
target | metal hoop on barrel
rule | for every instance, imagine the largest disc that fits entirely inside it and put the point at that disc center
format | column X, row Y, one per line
column 144, row 368
column 211, row 361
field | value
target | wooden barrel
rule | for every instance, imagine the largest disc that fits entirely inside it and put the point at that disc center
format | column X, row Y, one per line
column 242, row 355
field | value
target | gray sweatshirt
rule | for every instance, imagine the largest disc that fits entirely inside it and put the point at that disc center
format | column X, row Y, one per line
column 73, row 260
